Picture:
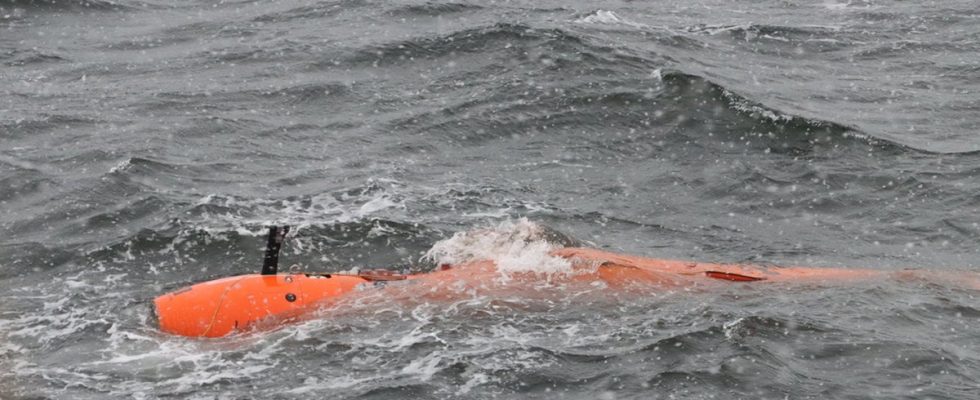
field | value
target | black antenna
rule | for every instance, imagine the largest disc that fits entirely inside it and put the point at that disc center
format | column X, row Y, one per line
column 270, row 266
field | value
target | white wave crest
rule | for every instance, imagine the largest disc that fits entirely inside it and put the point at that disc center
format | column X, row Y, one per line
column 607, row 18
column 746, row 106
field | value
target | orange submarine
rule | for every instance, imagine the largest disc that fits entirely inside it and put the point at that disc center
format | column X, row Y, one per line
column 241, row 303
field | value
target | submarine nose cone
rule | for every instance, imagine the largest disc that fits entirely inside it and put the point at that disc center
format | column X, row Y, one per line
column 193, row 311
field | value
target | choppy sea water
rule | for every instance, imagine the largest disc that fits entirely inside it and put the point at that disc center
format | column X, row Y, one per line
column 144, row 144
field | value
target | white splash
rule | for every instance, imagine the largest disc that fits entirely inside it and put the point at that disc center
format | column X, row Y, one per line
column 732, row 328
column 514, row 246
column 121, row 166
column 374, row 205
column 601, row 17
column 476, row 379
column 424, row 368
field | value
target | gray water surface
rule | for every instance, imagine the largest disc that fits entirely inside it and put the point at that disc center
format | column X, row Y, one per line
column 145, row 144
